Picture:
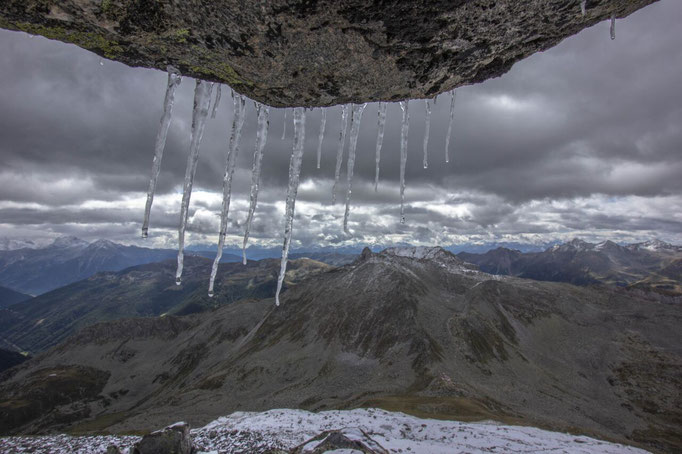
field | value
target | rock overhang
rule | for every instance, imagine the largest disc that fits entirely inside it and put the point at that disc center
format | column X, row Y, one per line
column 317, row 53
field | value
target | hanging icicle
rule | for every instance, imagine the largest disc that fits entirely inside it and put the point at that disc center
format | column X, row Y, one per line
column 352, row 145
column 339, row 152
column 202, row 101
column 217, row 101
column 323, row 124
column 294, row 177
column 261, row 139
column 403, row 155
column 613, row 26
column 427, row 128
column 230, row 160
column 583, row 7
column 453, row 95
column 284, row 129
column 380, row 141
column 174, row 80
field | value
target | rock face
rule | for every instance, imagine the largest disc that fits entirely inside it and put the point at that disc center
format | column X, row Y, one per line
column 317, row 52
column 174, row 439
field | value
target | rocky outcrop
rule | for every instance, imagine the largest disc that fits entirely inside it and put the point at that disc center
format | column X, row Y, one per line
column 174, row 439
column 317, row 52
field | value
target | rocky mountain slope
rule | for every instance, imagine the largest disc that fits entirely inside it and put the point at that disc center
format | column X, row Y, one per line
column 9, row 358
column 9, row 297
column 69, row 259
column 653, row 265
column 141, row 291
column 412, row 330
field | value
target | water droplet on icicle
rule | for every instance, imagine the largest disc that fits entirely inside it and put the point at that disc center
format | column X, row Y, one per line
column 352, row 145
column 380, row 141
column 339, row 152
column 449, row 133
column 323, row 123
column 261, row 139
column 202, row 101
column 294, row 177
column 174, row 79
column 403, row 155
column 230, row 160
column 427, row 129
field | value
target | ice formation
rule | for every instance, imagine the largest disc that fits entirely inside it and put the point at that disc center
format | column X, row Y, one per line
column 323, row 124
column 452, row 117
column 261, row 139
column 427, row 129
column 217, row 101
column 294, row 176
column 403, row 155
column 284, row 129
column 380, row 141
column 583, row 7
column 339, row 152
column 613, row 26
column 201, row 110
column 174, row 79
column 352, row 145
column 231, row 158
column 202, row 101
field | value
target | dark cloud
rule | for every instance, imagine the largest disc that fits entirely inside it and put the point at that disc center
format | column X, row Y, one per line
column 583, row 139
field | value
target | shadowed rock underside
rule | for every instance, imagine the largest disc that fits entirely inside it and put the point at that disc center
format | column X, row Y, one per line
column 317, row 53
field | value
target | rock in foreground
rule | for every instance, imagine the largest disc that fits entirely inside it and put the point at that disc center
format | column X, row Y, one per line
column 317, row 53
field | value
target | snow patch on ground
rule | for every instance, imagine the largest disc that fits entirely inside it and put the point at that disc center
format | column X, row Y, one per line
column 397, row 432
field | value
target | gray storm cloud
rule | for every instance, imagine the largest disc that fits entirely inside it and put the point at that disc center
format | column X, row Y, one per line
column 583, row 139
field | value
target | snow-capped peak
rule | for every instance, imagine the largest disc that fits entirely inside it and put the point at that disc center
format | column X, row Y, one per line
column 654, row 245
column 576, row 244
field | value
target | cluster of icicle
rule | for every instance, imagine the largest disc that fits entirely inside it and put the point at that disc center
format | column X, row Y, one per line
column 202, row 102
column 349, row 113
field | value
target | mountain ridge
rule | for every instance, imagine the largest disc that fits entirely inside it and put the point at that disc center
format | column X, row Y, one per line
column 421, row 333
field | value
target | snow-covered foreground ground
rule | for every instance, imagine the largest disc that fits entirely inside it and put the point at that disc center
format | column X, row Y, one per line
column 244, row 432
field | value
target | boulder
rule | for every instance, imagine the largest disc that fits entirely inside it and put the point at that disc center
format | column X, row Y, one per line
column 174, row 439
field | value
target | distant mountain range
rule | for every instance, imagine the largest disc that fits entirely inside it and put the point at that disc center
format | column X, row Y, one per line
column 70, row 259
column 142, row 291
column 409, row 329
column 652, row 266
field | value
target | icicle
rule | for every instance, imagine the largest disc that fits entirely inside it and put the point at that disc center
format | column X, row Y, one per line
column 284, row 130
column 452, row 116
column 231, row 159
column 339, row 152
column 380, row 141
column 294, row 175
column 323, row 124
column 174, row 80
column 261, row 139
column 613, row 26
column 583, row 6
column 427, row 128
column 202, row 101
column 217, row 101
column 403, row 155
column 352, row 145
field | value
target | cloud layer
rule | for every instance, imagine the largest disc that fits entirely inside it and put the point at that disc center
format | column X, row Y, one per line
column 582, row 140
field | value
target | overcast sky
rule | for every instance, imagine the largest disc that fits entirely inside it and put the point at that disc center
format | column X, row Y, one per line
column 582, row 140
